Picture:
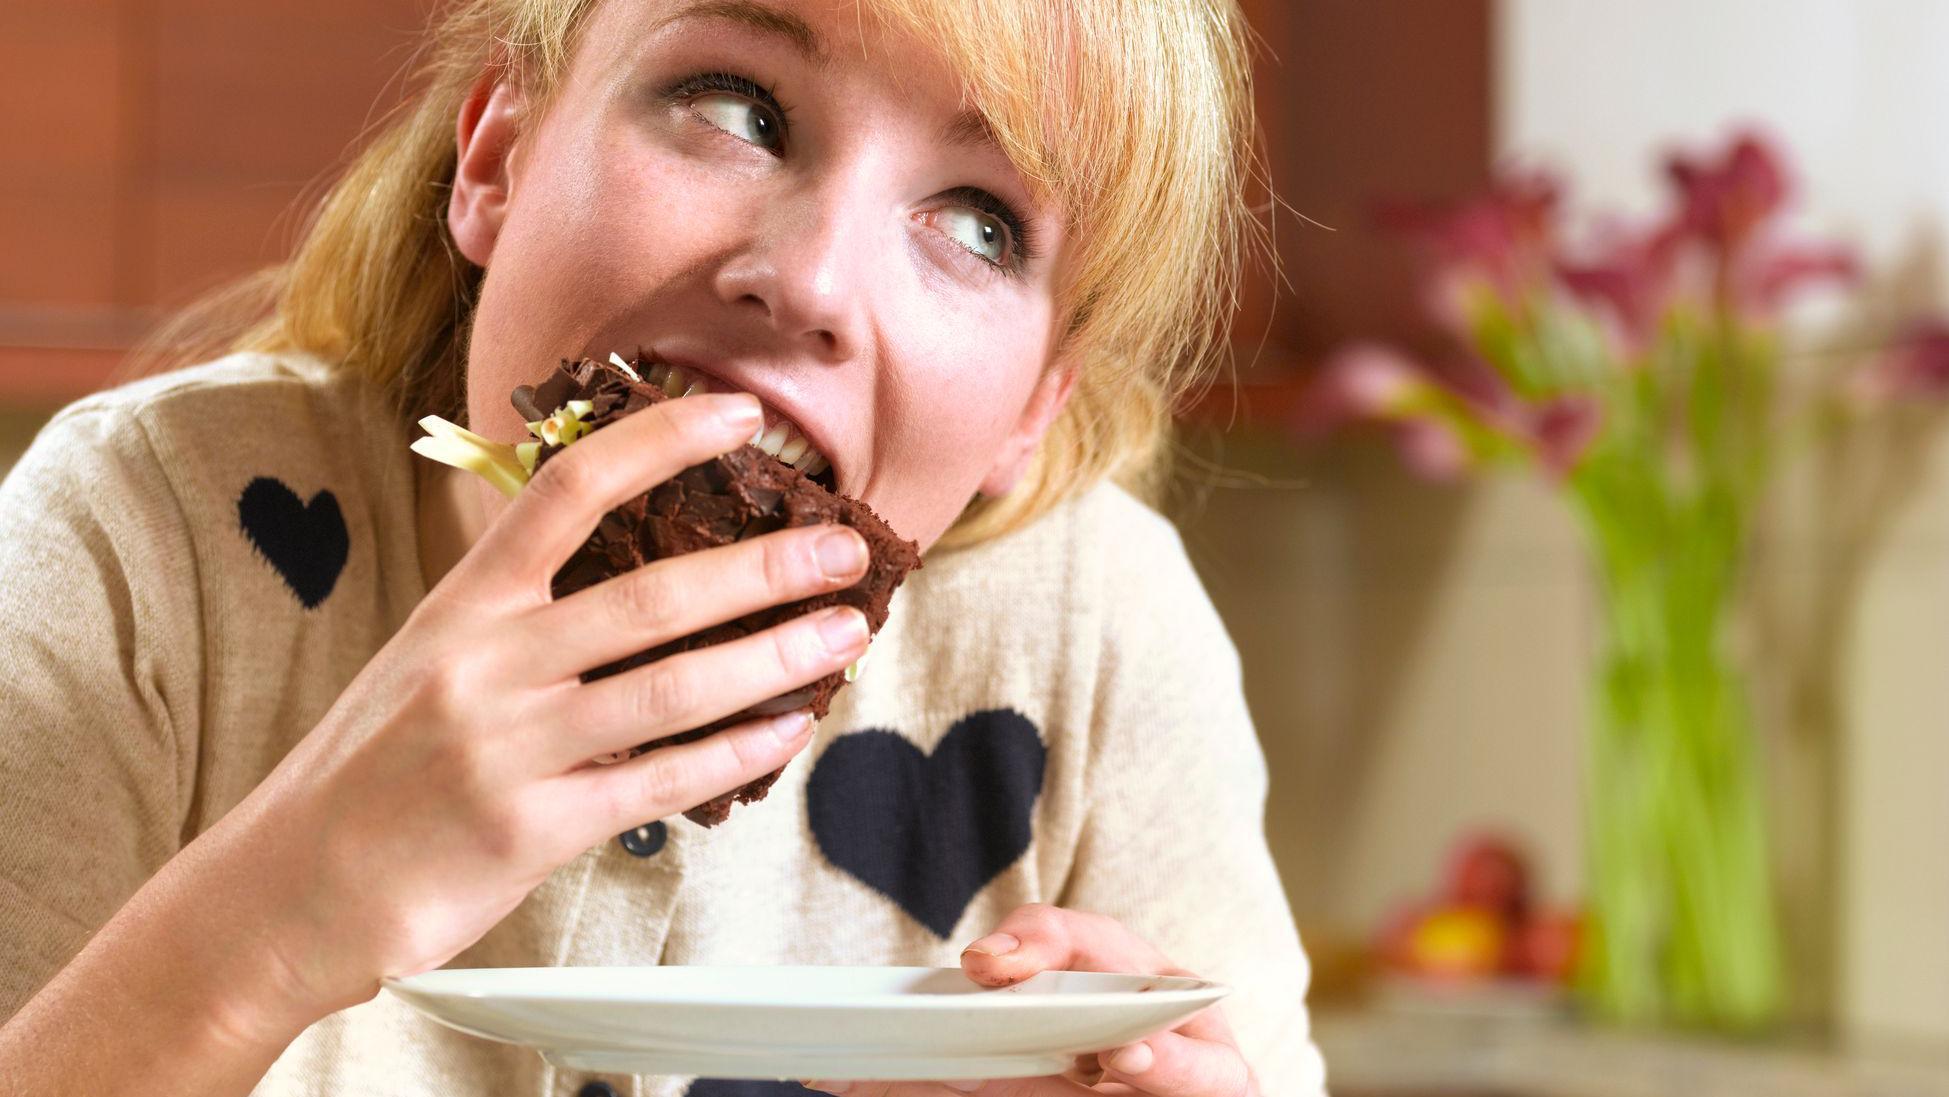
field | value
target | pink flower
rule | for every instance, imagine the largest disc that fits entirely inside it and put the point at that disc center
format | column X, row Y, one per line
column 1630, row 286
column 1562, row 430
column 1775, row 276
column 1729, row 209
column 1503, row 237
column 1365, row 382
column 1725, row 203
column 1482, row 387
column 1447, row 420
column 1373, row 384
column 1914, row 367
column 1433, row 450
column 1719, row 247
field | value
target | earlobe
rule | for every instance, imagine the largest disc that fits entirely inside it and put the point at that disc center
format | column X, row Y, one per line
column 1045, row 403
column 484, row 142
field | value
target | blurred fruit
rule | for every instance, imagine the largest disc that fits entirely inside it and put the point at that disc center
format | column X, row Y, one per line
column 1393, row 945
column 1457, row 942
column 1488, row 872
column 1546, row 947
column 1482, row 926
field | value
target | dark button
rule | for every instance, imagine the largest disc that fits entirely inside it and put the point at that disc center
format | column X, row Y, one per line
column 645, row 840
column 597, row 1089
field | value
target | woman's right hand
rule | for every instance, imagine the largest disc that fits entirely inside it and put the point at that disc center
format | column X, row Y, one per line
column 454, row 773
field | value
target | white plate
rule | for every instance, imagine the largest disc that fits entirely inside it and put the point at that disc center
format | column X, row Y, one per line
column 868, row 1023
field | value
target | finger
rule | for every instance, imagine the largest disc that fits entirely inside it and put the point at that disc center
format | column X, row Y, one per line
column 1038, row 937
column 1088, row 1072
column 670, row 598
column 555, row 513
column 665, row 781
column 694, row 688
column 1182, row 1066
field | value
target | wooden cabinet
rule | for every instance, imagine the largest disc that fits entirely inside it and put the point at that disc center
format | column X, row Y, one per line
column 152, row 149
column 1361, row 100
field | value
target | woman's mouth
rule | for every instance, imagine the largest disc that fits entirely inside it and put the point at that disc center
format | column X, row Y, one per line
column 779, row 436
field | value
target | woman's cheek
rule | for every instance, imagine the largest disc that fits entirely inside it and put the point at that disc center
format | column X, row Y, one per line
column 654, row 215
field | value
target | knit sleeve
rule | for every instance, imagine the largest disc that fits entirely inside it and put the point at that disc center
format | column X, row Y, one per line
column 1173, row 844
column 101, row 662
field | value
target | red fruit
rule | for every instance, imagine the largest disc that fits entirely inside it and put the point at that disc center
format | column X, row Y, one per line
column 1546, row 947
column 1488, row 872
column 1458, row 943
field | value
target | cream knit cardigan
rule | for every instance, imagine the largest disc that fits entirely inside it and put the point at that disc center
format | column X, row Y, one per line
column 180, row 606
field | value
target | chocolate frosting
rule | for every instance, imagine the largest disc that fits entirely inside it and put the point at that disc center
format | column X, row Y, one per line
column 741, row 494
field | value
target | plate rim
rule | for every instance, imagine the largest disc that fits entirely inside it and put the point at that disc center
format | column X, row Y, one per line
column 1199, row 988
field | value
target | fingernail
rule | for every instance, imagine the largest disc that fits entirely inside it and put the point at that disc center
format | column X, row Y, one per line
column 829, row 1087
column 843, row 629
column 1131, row 1059
column 792, row 726
column 740, row 411
column 995, row 944
column 841, row 553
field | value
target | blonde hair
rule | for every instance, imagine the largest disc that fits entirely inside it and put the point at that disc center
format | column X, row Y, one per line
column 1133, row 116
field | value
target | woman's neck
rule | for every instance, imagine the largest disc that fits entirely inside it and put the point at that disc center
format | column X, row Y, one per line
column 450, row 517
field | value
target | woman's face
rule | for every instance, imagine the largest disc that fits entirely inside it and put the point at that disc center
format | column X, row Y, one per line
column 788, row 202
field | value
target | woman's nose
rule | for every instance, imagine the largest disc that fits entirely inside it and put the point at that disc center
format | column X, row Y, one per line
column 800, row 274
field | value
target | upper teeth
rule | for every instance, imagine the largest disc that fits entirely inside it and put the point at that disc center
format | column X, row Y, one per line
column 782, row 439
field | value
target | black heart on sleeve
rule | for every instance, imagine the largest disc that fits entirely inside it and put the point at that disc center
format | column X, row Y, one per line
column 929, row 831
column 306, row 543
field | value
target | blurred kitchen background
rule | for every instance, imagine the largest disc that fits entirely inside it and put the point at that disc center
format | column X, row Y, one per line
column 1417, row 653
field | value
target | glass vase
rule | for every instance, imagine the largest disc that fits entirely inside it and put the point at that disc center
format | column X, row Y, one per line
column 1682, row 908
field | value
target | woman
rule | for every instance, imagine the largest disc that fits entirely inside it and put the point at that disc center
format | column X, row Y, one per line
column 294, row 713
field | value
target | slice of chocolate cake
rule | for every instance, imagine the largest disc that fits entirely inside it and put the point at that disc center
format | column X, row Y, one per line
column 742, row 494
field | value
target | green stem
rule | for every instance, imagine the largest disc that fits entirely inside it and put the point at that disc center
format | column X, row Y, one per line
column 1681, row 897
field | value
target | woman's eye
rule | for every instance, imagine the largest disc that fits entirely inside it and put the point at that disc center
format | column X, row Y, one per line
column 740, row 117
column 981, row 233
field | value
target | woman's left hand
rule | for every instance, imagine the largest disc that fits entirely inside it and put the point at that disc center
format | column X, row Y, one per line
column 1199, row 1058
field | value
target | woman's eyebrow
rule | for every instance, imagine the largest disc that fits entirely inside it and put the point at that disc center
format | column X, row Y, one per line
column 969, row 129
column 759, row 17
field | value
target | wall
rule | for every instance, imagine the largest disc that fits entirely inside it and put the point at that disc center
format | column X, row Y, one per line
column 1858, row 91
column 1414, row 658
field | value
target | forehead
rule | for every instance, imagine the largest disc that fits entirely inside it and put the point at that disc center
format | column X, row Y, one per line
column 942, row 52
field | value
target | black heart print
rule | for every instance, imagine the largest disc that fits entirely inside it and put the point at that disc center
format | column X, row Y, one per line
column 929, row 831
column 306, row 542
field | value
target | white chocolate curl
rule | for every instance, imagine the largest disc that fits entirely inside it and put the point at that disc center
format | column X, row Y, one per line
column 506, row 467
column 495, row 462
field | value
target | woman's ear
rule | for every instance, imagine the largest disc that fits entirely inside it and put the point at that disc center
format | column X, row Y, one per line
column 1045, row 402
column 483, row 179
